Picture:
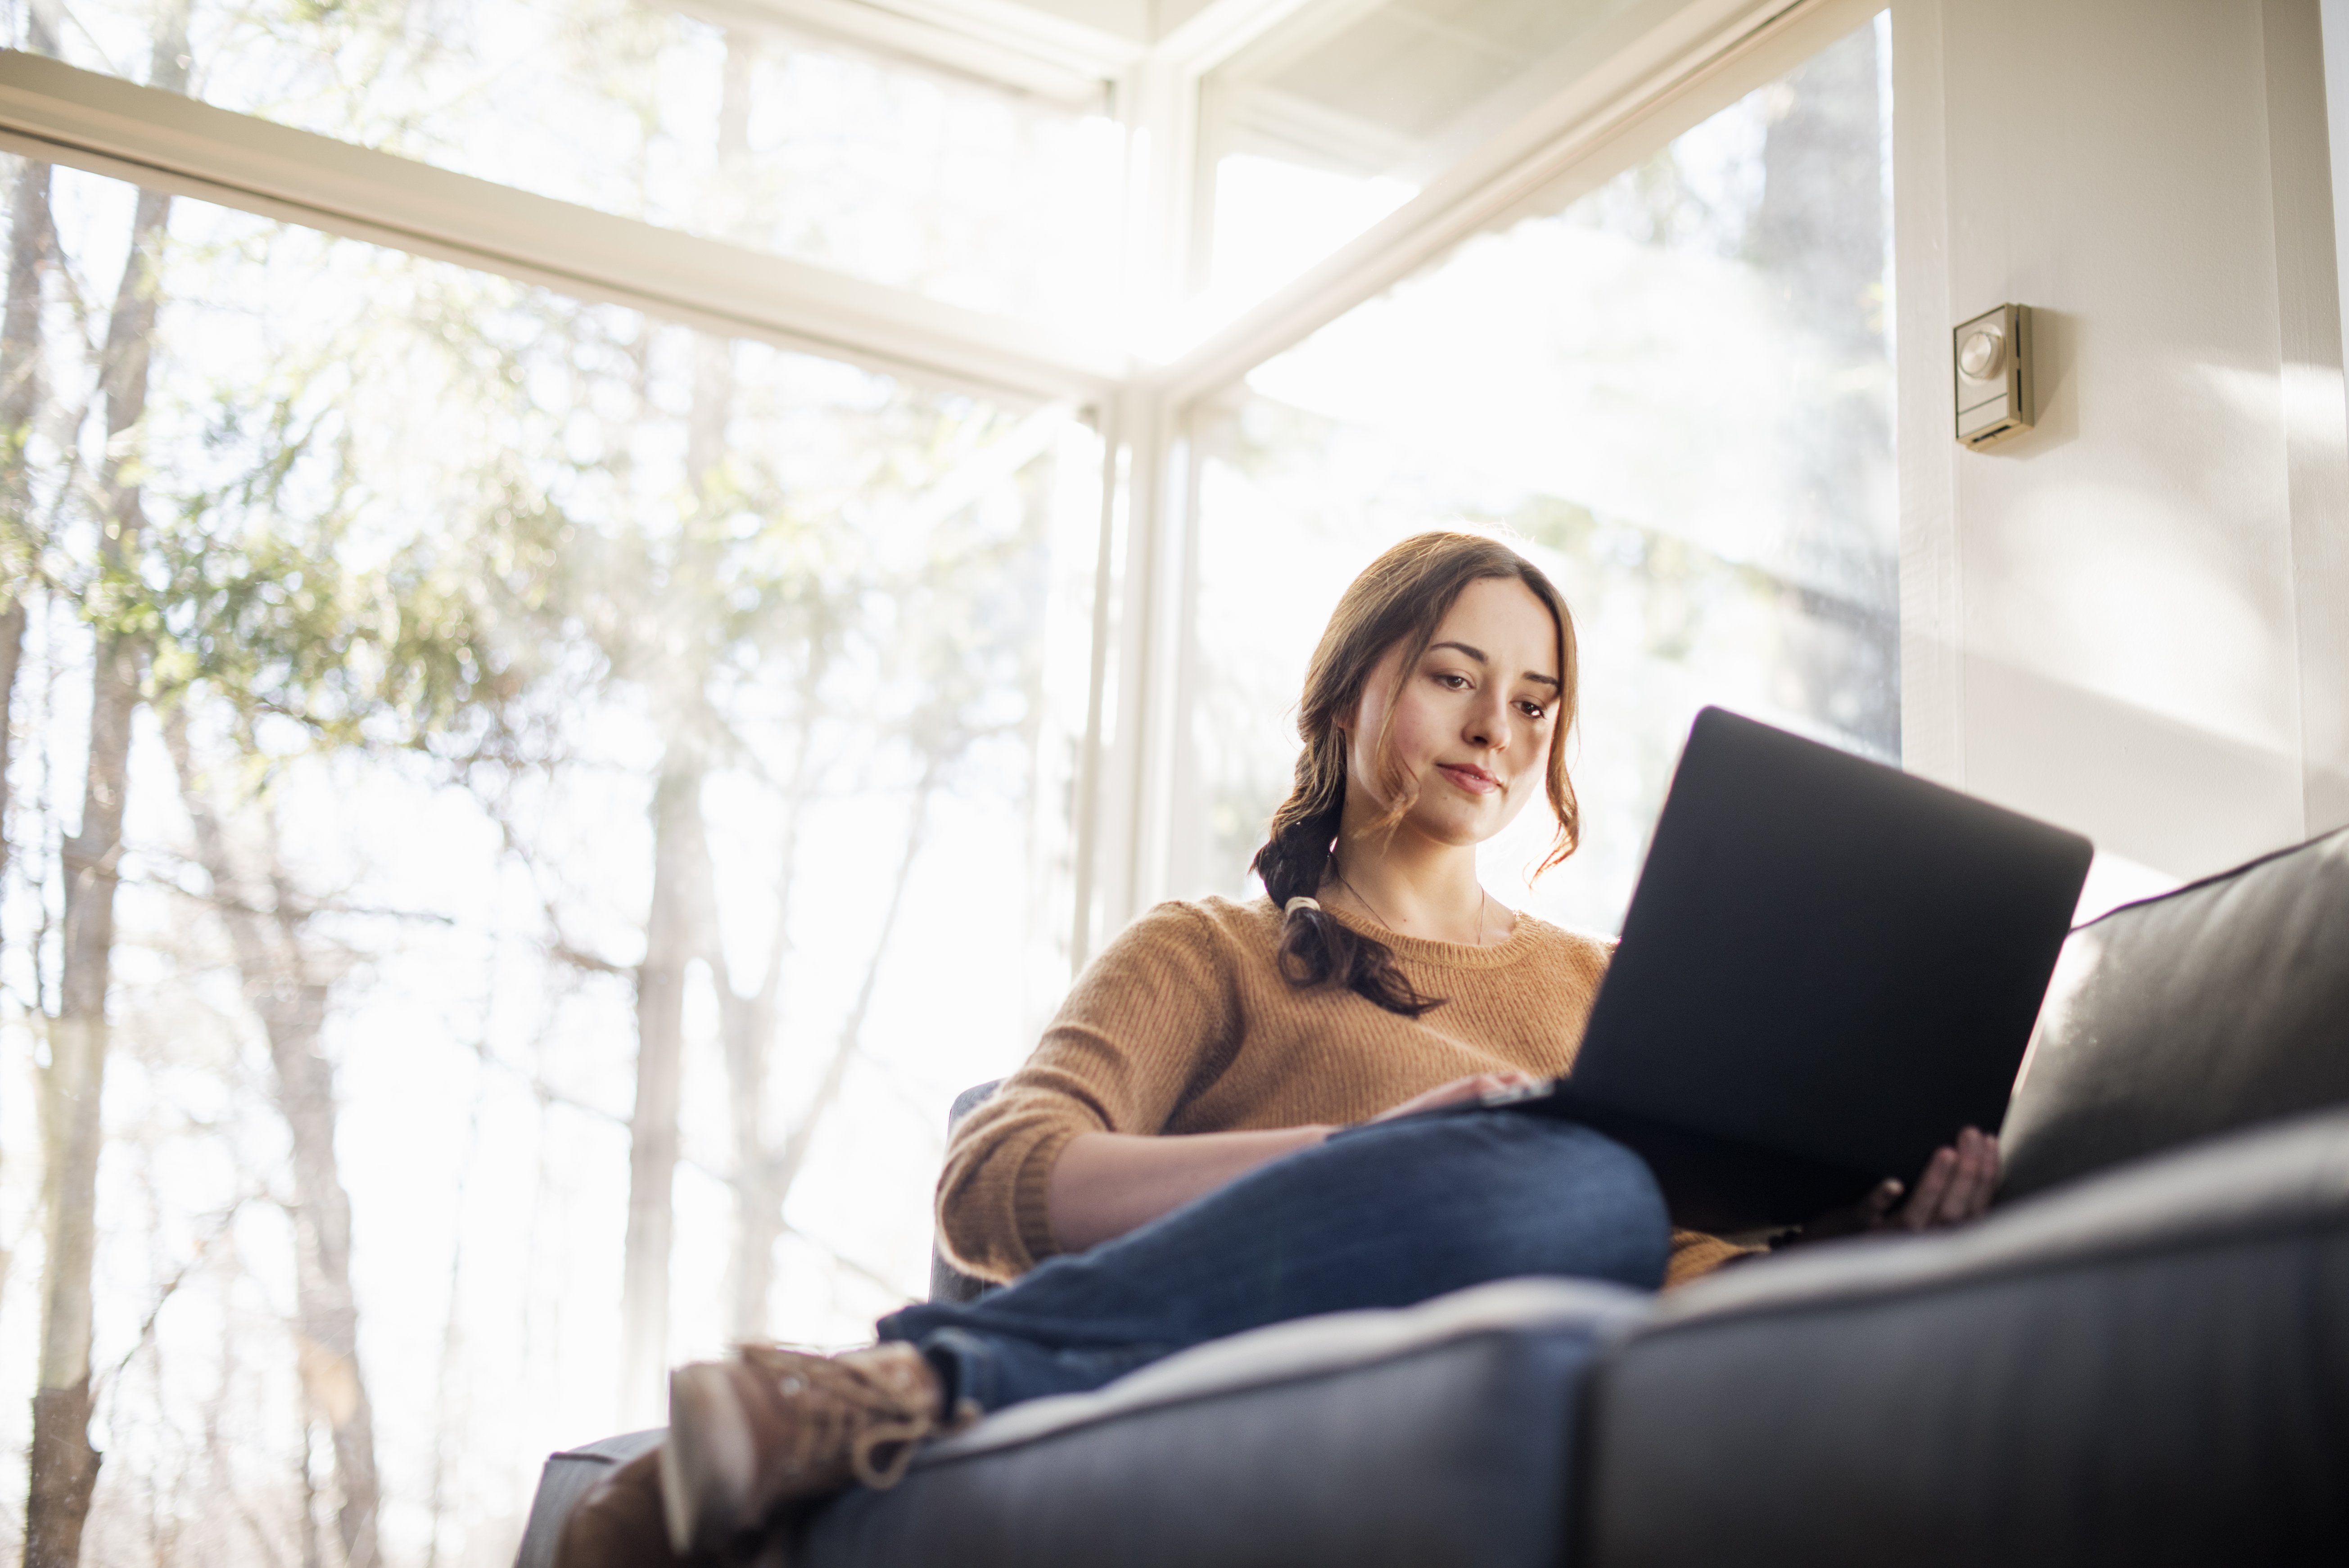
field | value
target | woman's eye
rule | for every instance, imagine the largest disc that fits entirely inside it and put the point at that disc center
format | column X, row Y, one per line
column 1451, row 682
column 1535, row 711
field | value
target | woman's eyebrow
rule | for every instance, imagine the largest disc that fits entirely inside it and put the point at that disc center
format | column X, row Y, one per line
column 1478, row 655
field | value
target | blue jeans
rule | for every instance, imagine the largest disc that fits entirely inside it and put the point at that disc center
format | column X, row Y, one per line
column 1382, row 1215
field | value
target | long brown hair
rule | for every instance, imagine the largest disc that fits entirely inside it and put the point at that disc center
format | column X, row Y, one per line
column 1401, row 598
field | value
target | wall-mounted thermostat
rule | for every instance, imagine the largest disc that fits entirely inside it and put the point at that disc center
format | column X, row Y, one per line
column 1994, row 371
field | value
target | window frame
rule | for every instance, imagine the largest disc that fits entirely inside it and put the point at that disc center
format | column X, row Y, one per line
column 1654, row 71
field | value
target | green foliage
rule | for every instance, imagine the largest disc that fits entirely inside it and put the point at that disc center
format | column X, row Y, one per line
column 277, row 607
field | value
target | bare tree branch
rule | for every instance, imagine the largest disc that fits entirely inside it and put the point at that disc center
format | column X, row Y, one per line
column 794, row 1155
column 222, row 1221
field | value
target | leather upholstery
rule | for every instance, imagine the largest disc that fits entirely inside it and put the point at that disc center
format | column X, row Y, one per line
column 1440, row 1433
column 948, row 1283
column 2147, row 1367
column 567, row 1477
column 2216, row 1007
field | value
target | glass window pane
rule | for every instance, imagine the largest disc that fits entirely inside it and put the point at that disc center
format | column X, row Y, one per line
column 1337, row 117
column 748, row 132
column 1676, row 394
column 532, row 656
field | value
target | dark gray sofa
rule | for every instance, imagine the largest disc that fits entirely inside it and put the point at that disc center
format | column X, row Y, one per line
column 2142, row 1355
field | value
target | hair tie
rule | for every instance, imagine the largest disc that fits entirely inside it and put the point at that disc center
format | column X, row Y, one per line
column 1299, row 902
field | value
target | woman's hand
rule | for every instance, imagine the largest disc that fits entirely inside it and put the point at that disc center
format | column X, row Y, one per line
column 1955, row 1187
column 1474, row 1087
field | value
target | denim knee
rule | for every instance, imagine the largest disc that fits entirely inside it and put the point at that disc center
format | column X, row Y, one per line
column 1521, row 1194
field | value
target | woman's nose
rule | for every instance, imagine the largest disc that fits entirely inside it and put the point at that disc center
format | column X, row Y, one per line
column 1488, row 723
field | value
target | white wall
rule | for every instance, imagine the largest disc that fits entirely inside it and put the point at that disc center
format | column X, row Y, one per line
column 2135, row 619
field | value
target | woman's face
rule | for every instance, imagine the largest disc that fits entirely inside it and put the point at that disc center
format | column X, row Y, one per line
column 1472, row 721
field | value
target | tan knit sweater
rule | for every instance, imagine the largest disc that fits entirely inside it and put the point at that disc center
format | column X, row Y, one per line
column 1185, row 1024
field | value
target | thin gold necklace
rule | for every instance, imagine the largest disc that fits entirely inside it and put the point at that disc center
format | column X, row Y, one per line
column 1483, row 900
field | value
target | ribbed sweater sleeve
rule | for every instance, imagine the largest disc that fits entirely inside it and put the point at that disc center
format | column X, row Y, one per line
column 1158, row 1004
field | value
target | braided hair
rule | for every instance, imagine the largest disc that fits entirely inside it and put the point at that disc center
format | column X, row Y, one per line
column 1400, row 599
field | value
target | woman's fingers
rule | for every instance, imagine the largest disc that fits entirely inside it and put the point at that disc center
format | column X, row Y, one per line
column 1977, row 1179
column 1484, row 1084
column 1956, row 1185
column 1954, row 1196
column 1475, row 1086
column 1954, row 1190
column 1933, row 1187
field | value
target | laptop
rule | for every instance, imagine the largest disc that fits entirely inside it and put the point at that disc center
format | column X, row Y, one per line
column 1829, row 968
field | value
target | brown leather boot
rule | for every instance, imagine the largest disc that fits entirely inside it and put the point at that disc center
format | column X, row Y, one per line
column 749, row 1437
column 620, row 1523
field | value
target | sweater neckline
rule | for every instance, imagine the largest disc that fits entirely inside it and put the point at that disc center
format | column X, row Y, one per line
column 1445, row 955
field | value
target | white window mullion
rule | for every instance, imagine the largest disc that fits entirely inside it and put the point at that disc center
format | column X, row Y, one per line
column 56, row 113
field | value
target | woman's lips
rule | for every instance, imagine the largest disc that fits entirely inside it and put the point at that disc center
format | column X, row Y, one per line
column 1475, row 781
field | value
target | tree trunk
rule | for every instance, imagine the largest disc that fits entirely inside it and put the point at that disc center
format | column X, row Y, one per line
column 748, row 1024
column 31, row 249
column 288, row 994
column 12, row 648
column 674, row 927
column 329, row 1352
column 63, row 1465
column 678, row 849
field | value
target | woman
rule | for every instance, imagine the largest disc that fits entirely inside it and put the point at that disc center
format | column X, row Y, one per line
column 1222, row 1127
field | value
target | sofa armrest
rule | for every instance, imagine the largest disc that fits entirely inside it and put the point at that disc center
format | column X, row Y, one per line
column 948, row 1283
column 2147, row 1366
column 568, row 1477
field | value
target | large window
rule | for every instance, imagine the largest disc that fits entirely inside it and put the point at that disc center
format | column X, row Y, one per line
column 532, row 689
column 1675, row 394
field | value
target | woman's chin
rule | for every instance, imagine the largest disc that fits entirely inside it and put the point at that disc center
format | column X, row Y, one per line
column 1458, row 829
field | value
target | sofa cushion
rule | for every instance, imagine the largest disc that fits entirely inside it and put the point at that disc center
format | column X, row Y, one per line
column 2209, row 1009
column 2150, row 1366
column 1439, row 1433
